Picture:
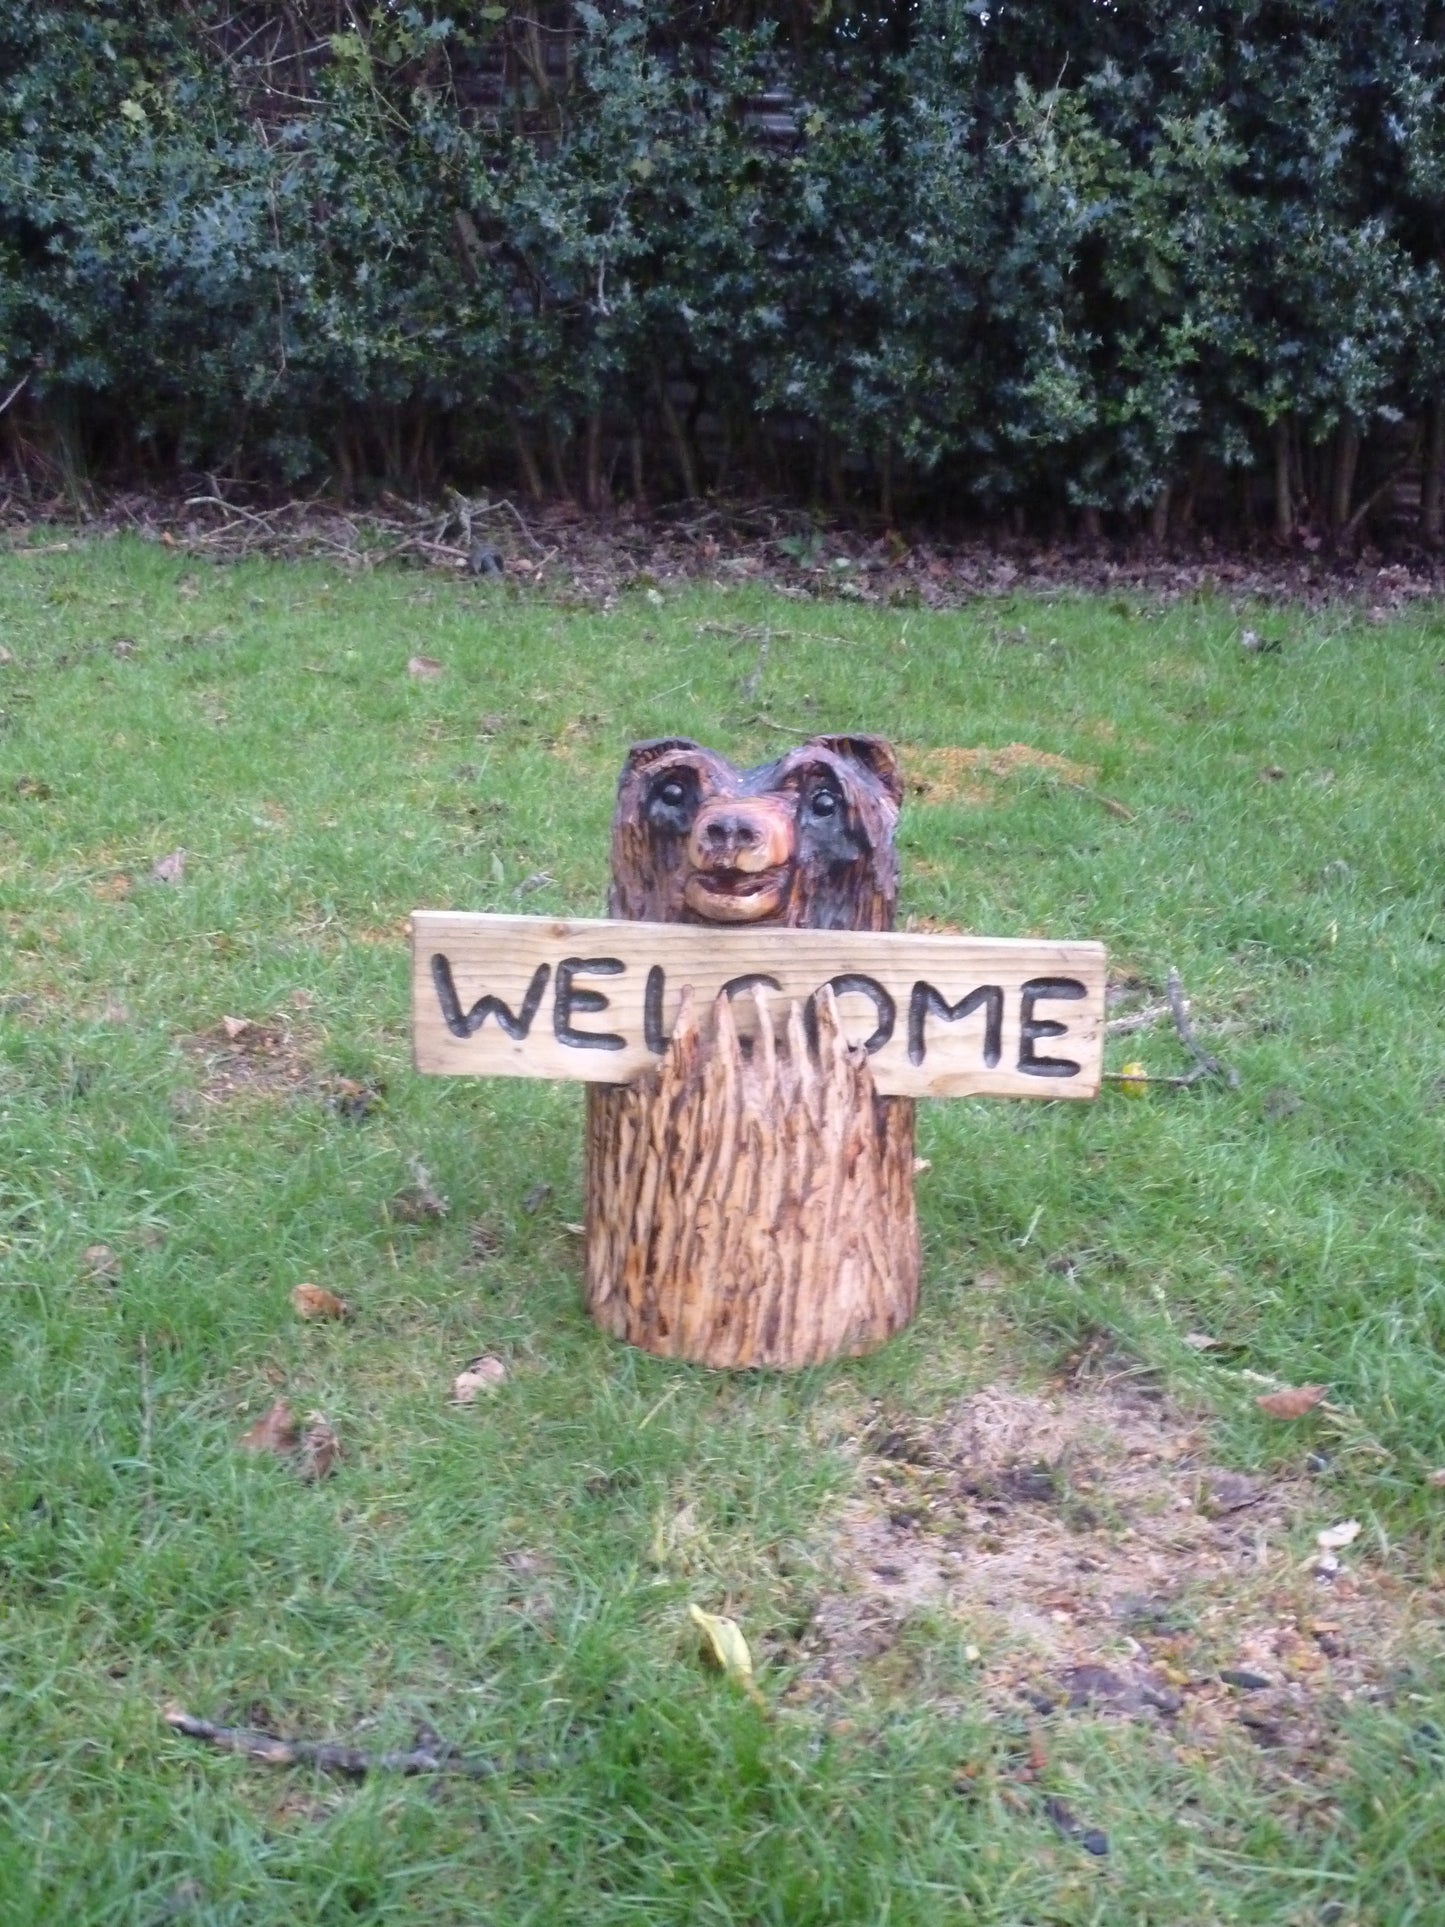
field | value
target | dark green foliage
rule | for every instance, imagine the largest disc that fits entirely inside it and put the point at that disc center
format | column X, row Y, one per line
column 1070, row 259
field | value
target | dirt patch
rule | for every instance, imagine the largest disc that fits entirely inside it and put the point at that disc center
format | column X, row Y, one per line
column 1087, row 1544
column 953, row 775
column 241, row 1059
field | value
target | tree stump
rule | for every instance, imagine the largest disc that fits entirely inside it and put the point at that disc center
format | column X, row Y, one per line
column 750, row 1201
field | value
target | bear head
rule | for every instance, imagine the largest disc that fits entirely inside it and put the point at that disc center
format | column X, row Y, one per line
column 804, row 841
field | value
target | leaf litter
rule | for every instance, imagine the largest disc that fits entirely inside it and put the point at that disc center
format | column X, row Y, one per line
column 314, row 1452
column 1098, row 1561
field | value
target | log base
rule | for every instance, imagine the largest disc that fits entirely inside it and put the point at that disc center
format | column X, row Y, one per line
column 750, row 1201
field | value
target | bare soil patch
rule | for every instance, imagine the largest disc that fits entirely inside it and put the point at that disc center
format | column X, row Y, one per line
column 957, row 775
column 241, row 1059
column 1087, row 1544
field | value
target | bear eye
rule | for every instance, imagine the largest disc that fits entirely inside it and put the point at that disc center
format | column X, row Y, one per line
column 672, row 793
column 824, row 802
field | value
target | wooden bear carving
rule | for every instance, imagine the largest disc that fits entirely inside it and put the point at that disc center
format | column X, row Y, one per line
column 750, row 1201
column 806, row 840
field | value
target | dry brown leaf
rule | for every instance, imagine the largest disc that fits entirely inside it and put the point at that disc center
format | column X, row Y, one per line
column 315, row 1301
column 170, row 869
column 1293, row 1402
column 275, row 1431
column 236, row 1027
column 424, row 668
column 102, row 1263
column 483, row 1374
column 320, row 1448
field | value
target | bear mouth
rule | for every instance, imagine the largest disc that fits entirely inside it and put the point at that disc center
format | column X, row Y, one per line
column 736, row 896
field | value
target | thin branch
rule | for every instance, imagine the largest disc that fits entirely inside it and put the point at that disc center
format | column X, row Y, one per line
column 1144, row 1019
column 495, row 508
column 147, row 1423
column 783, row 729
column 1135, row 1078
column 349, row 1762
column 1110, row 803
column 1208, row 1065
column 15, row 391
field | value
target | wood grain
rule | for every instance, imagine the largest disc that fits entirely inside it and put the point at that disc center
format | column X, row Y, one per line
column 751, row 1204
column 505, row 957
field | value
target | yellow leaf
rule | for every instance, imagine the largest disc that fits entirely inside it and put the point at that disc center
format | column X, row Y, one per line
column 1133, row 1080
column 729, row 1649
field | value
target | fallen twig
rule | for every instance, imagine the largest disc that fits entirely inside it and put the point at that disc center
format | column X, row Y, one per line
column 1109, row 803
column 495, row 508
column 147, row 1423
column 755, row 631
column 1144, row 1019
column 1208, row 1065
column 262, row 517
column 327, row 1756
column 1137, row 1078
column 783, row 729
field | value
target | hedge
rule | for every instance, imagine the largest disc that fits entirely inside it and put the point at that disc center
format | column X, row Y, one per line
column 1129, row 265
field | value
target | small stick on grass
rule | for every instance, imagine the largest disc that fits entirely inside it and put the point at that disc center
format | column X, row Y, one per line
column 1144, row 1019
column 1209, row 1066
column 1205, row 1064
column 1109, row 803
column 327, row 1756
column 147, row 1422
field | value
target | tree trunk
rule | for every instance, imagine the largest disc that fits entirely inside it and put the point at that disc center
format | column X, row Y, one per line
column 1342, row 479
column 677, row 435
column 1159, row 518
column 594, row 485
column 1432, row 478
column 527, row 461
column 750, row 1201
column 1283, row 503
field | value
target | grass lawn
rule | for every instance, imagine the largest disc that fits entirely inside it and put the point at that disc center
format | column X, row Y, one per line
column 517, row 1574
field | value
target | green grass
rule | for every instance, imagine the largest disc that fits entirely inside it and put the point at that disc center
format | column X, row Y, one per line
column 265, row 722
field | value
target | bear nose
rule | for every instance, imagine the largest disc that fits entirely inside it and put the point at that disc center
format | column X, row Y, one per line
column 730, row 835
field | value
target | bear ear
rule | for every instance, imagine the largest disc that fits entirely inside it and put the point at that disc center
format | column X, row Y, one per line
column 642, row 756
column 875, row 754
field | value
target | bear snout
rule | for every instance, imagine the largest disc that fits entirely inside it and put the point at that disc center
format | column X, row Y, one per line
column 746, row 836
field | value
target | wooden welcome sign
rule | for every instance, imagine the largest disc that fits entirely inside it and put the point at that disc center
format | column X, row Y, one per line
column 936, row 1016
column 753, row 1034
